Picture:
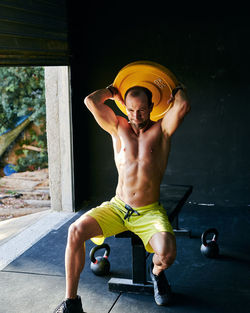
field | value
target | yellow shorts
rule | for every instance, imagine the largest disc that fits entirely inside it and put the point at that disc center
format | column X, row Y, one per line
column 115, row 217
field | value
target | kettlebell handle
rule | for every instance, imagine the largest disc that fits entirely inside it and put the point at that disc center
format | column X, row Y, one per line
column 96, row 248
column 209, row 231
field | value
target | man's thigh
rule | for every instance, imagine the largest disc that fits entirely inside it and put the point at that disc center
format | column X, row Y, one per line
column 87, row 227
column 108, row 218
column 153, row 223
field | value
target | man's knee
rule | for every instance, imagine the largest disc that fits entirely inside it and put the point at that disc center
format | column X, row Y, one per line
column 83, row 229
column 164, row 245
column 167, row 259
column 170, row 258
column 75, row 235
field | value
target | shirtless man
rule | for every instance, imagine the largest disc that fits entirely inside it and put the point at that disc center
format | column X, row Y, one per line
column 141, row 149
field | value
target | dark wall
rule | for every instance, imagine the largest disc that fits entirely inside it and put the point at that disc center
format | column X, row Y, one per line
column 33, row 33
column 211, row 149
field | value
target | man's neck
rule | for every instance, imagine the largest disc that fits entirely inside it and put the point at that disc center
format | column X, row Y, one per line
column 139, row 130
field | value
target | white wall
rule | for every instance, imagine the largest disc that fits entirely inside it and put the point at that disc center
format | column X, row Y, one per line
column 59, row 137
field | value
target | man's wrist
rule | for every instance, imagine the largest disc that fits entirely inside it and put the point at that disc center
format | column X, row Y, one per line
column 111, row 90
column 176, row 89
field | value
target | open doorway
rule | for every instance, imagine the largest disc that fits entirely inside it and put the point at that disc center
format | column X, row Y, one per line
column 36, row 168
column 24, row 182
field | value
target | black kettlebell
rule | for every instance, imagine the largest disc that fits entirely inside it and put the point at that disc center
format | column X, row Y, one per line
column 210, row 248
column 100, row 265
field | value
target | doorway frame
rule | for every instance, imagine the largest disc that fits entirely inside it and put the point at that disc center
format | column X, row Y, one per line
column 60, row 137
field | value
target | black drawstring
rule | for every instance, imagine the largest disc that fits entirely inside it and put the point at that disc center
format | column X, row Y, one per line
column 130, row 212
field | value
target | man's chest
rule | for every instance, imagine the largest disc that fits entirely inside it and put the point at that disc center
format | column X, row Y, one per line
column 133, row 147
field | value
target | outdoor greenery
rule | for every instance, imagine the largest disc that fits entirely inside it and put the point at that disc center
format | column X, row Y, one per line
column 32, row 160
column 22, row 93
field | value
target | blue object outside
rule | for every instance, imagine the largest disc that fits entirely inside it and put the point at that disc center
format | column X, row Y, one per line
column 9, row 169
column 19, row 121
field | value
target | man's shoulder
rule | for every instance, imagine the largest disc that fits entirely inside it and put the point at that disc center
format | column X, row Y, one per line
column 122, row 126
column 156, row 126
column 121, row 118
column 123, row 122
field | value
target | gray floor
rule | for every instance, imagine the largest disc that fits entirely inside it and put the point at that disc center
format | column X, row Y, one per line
column 35, row 281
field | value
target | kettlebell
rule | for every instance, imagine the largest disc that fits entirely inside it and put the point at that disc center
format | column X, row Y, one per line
column 100, row 265
column 210, row 248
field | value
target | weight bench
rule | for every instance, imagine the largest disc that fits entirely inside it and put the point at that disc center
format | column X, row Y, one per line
column 173, row 197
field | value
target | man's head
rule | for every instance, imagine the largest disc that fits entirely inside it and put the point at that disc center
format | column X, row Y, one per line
column 138, row 102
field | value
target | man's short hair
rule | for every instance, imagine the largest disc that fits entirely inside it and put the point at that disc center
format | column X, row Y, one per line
column 136, row 91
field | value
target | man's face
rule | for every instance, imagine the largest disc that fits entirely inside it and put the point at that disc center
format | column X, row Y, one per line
column 138, row 110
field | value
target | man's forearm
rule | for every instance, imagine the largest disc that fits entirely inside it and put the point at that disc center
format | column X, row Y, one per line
column 98, row 97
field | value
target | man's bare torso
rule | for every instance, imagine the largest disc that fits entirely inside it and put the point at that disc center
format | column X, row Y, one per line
column 141, row 161
column 141, row 147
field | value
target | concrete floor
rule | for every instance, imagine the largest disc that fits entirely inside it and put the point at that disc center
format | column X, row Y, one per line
column 13, row 226
column 35, row 281
column 20, row 233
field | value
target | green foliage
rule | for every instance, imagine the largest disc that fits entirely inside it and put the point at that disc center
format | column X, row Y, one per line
column 21, row 91
column 32, row 160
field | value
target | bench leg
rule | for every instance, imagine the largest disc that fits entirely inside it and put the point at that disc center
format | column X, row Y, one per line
column 139, row 275
column 138, row 283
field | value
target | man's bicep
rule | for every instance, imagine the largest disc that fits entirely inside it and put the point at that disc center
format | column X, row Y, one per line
column 106, row 119
column 174, row 117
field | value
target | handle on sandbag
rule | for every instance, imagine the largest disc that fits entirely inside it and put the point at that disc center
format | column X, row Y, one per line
column 96, row 248
column 209, row 231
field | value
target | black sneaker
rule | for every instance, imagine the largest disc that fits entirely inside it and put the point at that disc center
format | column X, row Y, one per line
column 70, row 306
column 162, row 290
